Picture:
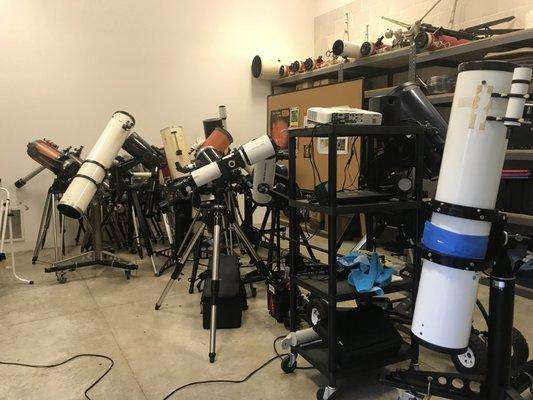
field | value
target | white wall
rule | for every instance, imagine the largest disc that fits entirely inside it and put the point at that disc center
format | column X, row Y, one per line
column 68, row 65
column 330, row 23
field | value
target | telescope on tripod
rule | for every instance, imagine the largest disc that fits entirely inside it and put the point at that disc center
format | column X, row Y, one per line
column 221, row 173
column 64, row 164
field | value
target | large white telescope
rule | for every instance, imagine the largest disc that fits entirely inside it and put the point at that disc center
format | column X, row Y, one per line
column 489, row 99
column 94, row 169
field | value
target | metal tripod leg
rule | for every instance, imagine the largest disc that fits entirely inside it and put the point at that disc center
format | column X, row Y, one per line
column 143, row 228
column 179, row 266
column 196, row 262
column 188, row 234
column 43, row 227
column 254, row 257
column 215, row 285
column 54, row 228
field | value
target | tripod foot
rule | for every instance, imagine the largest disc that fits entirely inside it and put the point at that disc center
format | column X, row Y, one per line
column 212, row 357
column 33, row 260
column 30, row 283
column 157, row 306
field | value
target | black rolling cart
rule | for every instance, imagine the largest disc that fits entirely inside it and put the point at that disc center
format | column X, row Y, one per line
column 332, row 291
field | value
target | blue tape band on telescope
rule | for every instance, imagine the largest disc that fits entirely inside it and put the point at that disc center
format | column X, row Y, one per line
column 454, row 244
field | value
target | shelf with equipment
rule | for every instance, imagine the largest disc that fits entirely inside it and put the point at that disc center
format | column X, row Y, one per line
column 326, row 285
column 399, row 60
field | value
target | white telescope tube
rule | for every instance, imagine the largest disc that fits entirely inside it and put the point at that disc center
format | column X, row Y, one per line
column 266, row 69
column 346, row 49
column 93, row 170
column 264, row 174
column 474, row 154
column 248, row 154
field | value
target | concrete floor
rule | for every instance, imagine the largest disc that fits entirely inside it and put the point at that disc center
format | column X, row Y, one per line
column 99, row 311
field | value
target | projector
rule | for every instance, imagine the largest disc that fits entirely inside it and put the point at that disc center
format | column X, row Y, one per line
column 342, row 115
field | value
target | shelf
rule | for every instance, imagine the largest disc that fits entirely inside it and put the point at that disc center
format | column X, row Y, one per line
column 519, row 154
column 356, row 130
column 317, row 355
column 398, row 60
column 318, row 286
column 440, row 98
column 375, row 207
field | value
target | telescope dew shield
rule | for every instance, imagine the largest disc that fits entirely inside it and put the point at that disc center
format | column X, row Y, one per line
column 219, row 139
column 346, row 49
column 265, row 69
column 474, row 154
column 93, row 170
column 264, row 174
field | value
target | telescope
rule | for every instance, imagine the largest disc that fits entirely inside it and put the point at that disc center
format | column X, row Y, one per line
column 62, row 163
column 148, row 155
column 344, row 48
column 488, row 102
column 94, row 169
column 248, row 154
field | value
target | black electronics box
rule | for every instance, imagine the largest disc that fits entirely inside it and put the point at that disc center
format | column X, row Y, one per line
column 231, row 295
column 349, row 196
column 363, row 334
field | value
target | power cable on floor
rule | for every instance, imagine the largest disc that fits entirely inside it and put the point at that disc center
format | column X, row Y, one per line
column 66, row 361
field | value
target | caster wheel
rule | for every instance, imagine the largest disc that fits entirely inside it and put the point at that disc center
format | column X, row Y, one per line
column 128, row 274
column 316, row 310
column 519, row 349
column 326, row 393
column 474, row 360
column 62, row 278
column 286, row 365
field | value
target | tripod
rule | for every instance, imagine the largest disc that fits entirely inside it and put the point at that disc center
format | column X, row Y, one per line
column 222, row 219
column 49, row 215
column 97, row 256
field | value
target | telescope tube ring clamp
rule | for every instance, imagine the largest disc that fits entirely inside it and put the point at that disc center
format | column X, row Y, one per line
column 474, row 213
column 454, row 262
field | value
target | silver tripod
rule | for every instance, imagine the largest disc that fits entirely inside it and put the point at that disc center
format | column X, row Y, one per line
column 222, row 220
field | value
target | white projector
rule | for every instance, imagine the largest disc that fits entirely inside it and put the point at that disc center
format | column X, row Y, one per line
column 342, row 115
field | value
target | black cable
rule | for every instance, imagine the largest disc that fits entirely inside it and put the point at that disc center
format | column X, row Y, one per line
column 255, row 371
column 66, row 361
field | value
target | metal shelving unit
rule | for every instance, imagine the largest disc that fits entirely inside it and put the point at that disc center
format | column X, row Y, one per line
column 330, row 289
column 398, row 60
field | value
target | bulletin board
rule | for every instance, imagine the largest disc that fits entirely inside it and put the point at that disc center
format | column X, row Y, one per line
column 288, row 109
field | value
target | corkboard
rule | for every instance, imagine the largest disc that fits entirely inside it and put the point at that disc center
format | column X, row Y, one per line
column 338, row 94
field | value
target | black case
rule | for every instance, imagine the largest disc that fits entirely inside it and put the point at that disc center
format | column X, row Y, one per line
column 231, row 297
column 363, row 334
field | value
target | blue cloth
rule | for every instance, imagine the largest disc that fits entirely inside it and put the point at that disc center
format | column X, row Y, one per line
column 454, row 244
column 367, row 272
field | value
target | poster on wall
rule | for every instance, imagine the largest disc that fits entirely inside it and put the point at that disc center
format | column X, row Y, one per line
column 279, row 124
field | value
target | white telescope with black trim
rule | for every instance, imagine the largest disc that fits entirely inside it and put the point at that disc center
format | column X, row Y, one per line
column 93, row 171
column 489, row 100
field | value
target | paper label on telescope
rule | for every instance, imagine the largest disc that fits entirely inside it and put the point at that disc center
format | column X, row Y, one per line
column 480, row 107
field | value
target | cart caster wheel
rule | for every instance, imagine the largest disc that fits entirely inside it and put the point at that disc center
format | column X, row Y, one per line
column 62, row 278
column 316, row 310
column 326, row 393
column 474, row 360
column 519, row 349
column 288, row 366
column 128, row 274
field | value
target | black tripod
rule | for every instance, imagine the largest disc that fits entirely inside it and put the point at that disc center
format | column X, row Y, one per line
column 49, row 216
column 97, row 256
column 223, row 221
